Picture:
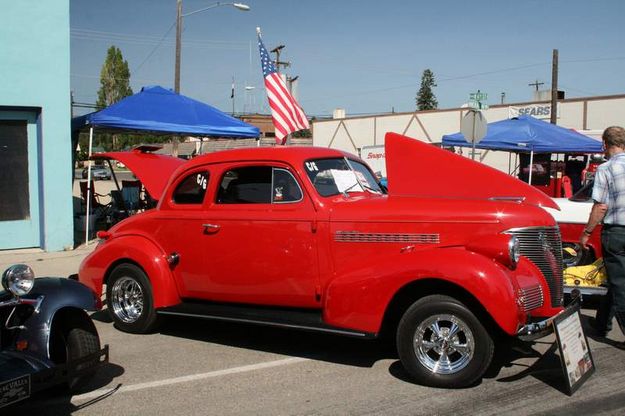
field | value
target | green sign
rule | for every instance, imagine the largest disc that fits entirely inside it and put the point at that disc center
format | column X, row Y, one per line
column 478, row 96
column 478, row 105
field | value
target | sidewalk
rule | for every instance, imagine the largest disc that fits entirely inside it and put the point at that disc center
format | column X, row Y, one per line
column 54, row 264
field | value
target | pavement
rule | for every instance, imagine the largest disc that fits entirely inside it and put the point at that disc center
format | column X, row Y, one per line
column 48, row 264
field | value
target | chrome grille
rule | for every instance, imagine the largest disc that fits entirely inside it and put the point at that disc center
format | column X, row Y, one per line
column 358, row 237
column 531, row 297
column 543, row 247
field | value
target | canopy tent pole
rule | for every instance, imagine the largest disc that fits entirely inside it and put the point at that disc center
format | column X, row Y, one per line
column 88, row 213
column 509, row 163
column 531, row 166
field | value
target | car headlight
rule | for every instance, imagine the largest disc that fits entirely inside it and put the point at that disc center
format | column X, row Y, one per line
column 514, row 250
column 18, row 279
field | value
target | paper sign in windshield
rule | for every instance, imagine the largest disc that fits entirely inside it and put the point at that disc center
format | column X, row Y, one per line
column 345, row 180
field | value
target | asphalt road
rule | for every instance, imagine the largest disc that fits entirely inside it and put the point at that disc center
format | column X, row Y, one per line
column 200, row 367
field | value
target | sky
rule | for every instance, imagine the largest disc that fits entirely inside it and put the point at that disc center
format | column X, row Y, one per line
column 365, row 56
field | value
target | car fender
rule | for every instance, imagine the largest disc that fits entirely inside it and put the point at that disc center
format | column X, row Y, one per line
column 135, row 249
column 359, row 300
column 54, row 295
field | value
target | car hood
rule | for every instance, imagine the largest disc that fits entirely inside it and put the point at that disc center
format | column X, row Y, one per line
column 419, row 169
column 571, row 212
column 152, row 170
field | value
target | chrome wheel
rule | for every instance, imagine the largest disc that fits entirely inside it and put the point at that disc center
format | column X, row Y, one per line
column 127, row 299
column 444, row 344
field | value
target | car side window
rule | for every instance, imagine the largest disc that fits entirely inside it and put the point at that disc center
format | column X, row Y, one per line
column 258, row 185
column 285, row 188
column 191, row 190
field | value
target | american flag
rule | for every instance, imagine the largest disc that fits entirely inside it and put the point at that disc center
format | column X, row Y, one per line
column 287, row 115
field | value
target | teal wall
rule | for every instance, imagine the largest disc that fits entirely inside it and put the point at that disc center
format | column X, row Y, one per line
column 35, row 75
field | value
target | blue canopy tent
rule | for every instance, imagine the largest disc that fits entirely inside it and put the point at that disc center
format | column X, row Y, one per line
column 156, row 109
column 526, row 134
column 159, row 110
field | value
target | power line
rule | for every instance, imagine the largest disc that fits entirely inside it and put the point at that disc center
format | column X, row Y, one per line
column 153, row 40
column 155, row 48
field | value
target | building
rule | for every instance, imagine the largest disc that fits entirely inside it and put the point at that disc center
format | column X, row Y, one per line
column 590, row 115
column 35, row 139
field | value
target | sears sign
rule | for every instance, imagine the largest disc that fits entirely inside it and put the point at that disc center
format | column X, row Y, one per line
column 540, row 111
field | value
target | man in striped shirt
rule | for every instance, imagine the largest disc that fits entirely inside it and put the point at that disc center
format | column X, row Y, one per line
column 608, row 195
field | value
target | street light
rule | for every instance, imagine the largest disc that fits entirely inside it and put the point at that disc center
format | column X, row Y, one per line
column 179, row 16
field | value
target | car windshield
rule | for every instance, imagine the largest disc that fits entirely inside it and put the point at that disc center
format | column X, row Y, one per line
column 584, row 193
column 341, row 175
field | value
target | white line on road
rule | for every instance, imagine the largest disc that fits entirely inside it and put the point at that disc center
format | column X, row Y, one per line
column 185, row 379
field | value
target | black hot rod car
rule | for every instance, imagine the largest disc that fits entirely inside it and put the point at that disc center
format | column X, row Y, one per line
column 46, row 337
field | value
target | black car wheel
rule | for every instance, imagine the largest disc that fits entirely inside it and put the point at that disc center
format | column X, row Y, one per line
column 129, row 299
column 73, row 337
column 80, row 343
column 441, row 343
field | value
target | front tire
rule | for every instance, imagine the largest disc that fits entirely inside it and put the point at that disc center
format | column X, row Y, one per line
column 80, row 343
column 129, row 300
column 441, row 343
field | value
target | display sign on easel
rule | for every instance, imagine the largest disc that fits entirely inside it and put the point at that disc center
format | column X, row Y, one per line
column 575, row 352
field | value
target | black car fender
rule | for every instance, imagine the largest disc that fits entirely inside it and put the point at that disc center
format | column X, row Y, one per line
column 60, row 302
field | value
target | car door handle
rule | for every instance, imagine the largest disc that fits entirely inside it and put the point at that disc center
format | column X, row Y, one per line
column 211, row 228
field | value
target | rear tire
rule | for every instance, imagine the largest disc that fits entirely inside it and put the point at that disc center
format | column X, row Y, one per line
column 441, row 343
column 129, row 300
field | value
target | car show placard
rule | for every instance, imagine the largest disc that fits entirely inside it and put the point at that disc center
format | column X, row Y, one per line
column 575, row 354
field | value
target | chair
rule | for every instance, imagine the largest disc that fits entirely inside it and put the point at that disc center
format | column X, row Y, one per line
column 131, row 194
column 119, row 211
column 95, row 204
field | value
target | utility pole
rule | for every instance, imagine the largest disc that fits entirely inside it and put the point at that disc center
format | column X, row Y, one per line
column 288, row 81
column 554, row 87
column 178, row 45
column 536, row 84
column 277, row 50
column 175, row 140
column 232, row 96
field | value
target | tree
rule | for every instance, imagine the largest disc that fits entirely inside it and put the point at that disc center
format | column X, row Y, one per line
column 114, row 86
column 114, row 79
column 426, row 100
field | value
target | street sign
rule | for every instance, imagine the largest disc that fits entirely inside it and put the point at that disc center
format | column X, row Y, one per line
column 478, row 105
column 473, row 126
column 478, row 96
column 477, row 100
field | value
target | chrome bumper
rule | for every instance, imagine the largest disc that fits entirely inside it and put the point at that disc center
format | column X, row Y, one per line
column 536, row 330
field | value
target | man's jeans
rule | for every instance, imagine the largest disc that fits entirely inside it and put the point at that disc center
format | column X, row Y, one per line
column 613, row 242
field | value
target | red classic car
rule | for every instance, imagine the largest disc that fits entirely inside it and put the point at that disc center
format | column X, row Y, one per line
column 306, row 238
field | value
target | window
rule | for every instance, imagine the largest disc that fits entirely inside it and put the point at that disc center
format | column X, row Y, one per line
column 333, row 176
column 15, row 201
column 285, row 187
column 192, row 189
column 258, row 185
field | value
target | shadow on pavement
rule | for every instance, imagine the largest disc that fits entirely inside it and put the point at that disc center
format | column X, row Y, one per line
column 315, row 346
column 58, row 401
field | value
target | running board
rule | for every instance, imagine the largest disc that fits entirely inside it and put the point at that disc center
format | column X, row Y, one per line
column 302, row 319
